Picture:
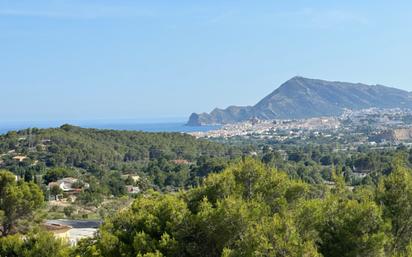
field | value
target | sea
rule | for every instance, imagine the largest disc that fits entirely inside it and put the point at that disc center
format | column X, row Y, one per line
column 175, row 126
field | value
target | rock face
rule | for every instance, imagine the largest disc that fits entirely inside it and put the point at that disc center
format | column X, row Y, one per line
column 304, row 98
column 393, row 135
column 221, row 116
column 402, row 134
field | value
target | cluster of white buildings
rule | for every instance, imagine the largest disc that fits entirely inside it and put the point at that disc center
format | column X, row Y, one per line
column 344, row 126
column 271, row 127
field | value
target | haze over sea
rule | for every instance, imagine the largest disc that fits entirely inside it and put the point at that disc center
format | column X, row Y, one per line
column 136, row 125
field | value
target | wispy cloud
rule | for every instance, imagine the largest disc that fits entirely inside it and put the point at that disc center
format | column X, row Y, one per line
column 300, row 18
column 310, row 18
column 323, row 18
column 75, row 10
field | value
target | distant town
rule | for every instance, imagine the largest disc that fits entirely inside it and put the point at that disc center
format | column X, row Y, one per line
column 373, row 126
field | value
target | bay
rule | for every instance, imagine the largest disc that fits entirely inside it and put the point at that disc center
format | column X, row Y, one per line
column 115, row 125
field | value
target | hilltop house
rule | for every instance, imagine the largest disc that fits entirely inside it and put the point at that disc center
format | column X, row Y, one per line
column 69, row 185
column 181, row 162
column 132, row 190
column 19, row 158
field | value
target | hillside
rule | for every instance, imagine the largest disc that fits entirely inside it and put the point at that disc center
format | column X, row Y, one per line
column 106, row 147
column 166, row 159
column 303, row 98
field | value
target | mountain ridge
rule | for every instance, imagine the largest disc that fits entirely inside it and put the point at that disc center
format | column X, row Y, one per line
column 301, row 97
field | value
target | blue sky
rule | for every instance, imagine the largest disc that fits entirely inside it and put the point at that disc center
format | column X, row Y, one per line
column 118, row 59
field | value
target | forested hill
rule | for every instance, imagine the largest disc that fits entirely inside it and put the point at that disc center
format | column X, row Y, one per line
column 96, row 151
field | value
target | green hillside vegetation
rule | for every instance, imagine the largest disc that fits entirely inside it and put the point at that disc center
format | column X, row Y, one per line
column 313, row 162
column 201, row 198
column 169, row 161
column 251, row 210
column 165, row 161
column 18, row 203
column 84, row 148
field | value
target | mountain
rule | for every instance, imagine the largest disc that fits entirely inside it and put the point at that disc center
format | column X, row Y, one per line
column 304, row 98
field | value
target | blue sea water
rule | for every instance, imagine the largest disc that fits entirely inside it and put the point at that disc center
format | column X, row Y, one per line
column 116, row 125
column 155, row 127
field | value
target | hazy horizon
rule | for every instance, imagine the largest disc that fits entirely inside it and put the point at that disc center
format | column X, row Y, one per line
column 147, row 125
